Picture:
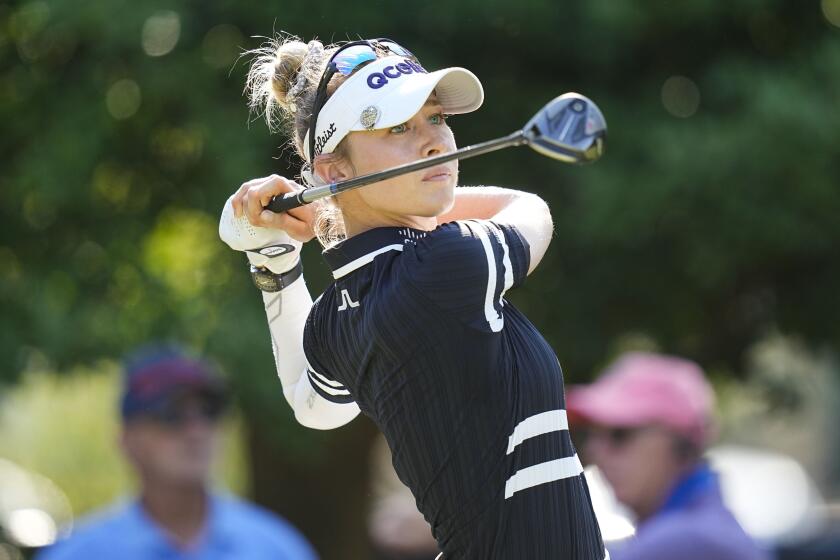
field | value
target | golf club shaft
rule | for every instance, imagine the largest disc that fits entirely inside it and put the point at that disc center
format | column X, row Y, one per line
column 300, row 198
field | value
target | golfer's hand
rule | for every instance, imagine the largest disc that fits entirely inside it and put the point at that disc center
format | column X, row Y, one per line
column 270, row 241
column 252, row 198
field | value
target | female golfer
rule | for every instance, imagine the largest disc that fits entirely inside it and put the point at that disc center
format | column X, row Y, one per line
column 415, row 331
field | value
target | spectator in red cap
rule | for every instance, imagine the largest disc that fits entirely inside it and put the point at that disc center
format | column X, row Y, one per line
column 171, row 406
column 646, row 423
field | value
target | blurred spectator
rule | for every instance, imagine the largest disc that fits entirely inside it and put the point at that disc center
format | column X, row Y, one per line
column 171, row 406
column 647, row 422
column 398, row 531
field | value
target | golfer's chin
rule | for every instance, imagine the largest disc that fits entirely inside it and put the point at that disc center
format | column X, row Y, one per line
column 436, row 198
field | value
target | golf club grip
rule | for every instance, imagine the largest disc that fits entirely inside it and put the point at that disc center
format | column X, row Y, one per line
column 285, row 202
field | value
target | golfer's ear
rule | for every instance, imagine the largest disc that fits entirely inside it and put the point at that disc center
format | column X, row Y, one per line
column 332, row 168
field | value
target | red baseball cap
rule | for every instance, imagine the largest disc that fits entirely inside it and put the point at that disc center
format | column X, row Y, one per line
column 157, row 373
column 645, row 388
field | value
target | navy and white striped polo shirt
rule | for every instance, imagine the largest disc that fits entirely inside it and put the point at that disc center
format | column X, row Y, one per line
column 469, row 395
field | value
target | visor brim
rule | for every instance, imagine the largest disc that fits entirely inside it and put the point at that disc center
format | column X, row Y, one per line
column 457, row 89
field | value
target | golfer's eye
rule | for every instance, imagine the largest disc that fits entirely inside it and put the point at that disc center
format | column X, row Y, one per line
column 399, row 129
column 438, row 118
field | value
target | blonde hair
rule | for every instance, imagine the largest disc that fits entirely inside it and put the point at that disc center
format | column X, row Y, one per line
column 282, row 83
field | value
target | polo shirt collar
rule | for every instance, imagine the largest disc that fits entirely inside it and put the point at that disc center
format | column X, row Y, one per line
column 354, row 253
column 143, row 528
column 216, row 533
column 700, row 483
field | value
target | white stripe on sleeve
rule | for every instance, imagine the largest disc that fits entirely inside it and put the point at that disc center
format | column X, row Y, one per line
column 325, row 385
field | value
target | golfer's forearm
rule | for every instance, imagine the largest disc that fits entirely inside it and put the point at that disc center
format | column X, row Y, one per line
column 479, row 203
column 286, row 312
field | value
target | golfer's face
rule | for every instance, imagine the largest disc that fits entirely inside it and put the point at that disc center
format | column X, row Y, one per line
column 425, row 193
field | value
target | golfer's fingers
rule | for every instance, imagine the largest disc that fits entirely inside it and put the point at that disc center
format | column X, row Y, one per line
column 304, row 213
column 258, row 195
column 239, row 195
column 297, row 228
column 297, row 222
column 305, row 216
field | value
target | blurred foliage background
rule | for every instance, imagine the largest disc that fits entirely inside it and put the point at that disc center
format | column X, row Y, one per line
column 710, row 226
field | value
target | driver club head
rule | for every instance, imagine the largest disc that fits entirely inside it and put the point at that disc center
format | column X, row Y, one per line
column 570, row 128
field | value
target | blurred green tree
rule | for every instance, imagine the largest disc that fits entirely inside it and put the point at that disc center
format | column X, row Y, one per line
column 711, row 219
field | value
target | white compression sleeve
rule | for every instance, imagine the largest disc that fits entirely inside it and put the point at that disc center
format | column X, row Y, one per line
column 286, row 312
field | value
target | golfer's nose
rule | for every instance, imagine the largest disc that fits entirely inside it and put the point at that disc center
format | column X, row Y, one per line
column 434, row 140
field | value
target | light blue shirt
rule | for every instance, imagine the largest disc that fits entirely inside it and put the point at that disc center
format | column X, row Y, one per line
column 234, row 530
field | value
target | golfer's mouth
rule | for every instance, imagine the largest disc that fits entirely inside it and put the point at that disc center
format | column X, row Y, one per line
column 437, row 174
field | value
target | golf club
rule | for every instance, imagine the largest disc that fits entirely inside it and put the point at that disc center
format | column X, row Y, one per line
column 570, row 128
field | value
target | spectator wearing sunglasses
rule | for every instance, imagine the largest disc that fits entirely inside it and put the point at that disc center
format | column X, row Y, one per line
column 645, row 423
column 415, row 331
column 171, row 408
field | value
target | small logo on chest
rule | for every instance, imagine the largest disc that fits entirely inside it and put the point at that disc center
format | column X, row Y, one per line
column 347, row 301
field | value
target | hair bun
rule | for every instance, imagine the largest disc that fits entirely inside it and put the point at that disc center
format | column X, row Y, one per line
column 279, row 72
column 289, row 59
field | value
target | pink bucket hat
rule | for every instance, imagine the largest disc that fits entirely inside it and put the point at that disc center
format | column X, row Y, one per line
column 644, row 388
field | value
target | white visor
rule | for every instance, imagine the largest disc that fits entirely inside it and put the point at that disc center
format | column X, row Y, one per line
column 388, row 92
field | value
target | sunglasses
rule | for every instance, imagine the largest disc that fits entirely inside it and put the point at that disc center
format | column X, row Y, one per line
column 344, row 61
column 616, row 438
column 175, row 415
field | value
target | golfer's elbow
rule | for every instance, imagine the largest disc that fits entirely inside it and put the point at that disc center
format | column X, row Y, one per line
column 313, row 421
column 320, row 414
column 532, row 218
column 541, row 214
